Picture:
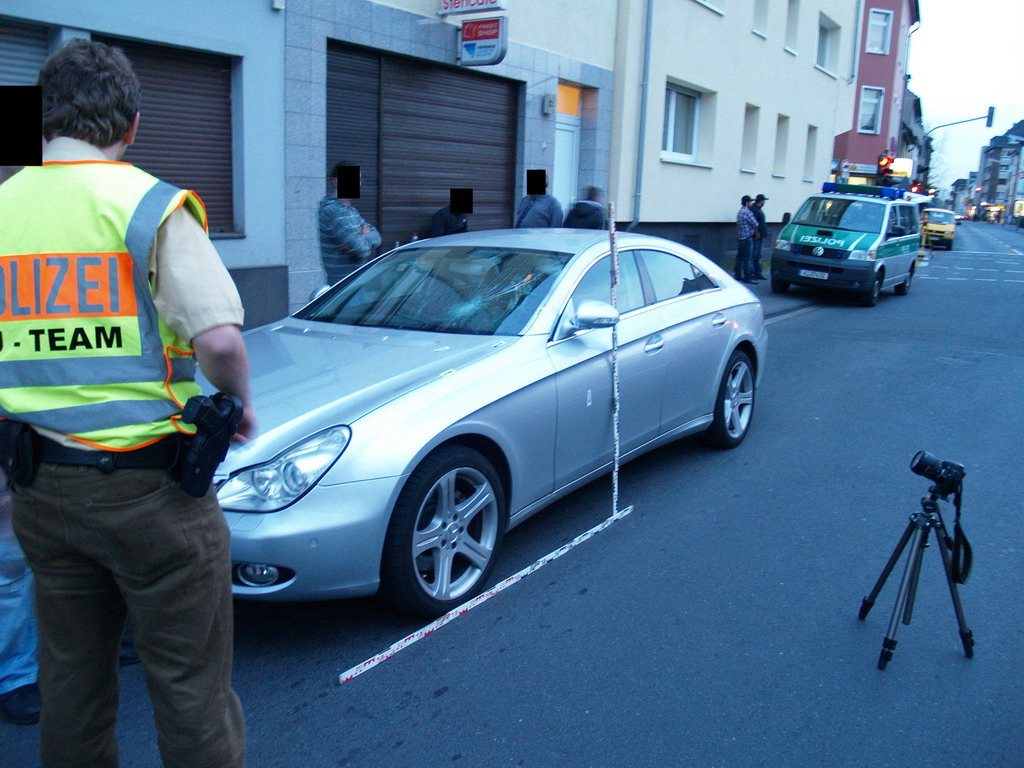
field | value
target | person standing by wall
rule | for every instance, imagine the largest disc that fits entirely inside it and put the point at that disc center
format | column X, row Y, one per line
column 538, row 208
column 91, row 447
column 590, row 213
column 762, row 234
column 746, row 232
column 347, row 240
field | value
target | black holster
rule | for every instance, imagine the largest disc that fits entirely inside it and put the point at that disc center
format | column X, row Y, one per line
column 18, row 453
column 216, row 419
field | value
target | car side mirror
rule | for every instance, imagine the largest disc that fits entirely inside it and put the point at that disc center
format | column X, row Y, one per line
column 785, row 218
column 596, row 314
column 316, row 293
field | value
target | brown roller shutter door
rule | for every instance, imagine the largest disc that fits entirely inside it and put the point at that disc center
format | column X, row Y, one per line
column 437, row 128
column 185, row 129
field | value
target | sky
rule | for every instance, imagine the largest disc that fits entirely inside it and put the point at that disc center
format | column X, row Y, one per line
column 966, row 56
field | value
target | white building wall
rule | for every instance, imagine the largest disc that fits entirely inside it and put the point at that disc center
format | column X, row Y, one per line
column 714, row 49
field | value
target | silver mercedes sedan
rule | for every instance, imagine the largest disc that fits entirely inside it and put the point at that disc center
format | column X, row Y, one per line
column 451, row 388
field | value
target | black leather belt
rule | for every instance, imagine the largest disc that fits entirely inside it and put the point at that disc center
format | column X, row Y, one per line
column 160, row 455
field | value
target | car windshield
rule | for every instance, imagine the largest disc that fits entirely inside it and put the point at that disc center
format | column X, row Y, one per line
column 939, row 217
column 841, row 213
column 451, row 289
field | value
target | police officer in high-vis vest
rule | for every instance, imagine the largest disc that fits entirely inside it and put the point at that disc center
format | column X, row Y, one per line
column 110, row 294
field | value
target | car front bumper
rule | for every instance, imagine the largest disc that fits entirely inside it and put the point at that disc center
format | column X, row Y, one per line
column 327, row 545
column 840, row 274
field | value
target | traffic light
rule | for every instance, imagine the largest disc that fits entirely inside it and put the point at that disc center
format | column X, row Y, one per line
column 884, row 170
column 915, row 187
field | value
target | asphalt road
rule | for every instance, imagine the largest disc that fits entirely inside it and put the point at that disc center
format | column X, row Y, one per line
column 716, row 625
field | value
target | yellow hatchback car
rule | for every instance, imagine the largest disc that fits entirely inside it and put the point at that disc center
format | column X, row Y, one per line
column 938, row 227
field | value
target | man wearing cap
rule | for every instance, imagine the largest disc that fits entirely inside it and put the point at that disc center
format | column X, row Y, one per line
column 746, row 233
column 762, row 231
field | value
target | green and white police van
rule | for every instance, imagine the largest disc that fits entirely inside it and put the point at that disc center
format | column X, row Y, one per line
column 851, row 238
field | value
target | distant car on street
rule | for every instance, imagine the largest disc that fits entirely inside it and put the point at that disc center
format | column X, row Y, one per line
column 938, row 227
column 457, row 385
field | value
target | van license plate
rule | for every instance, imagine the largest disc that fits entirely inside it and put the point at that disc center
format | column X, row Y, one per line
column 813, row 273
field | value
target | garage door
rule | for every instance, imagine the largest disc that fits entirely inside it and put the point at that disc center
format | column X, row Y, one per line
column 419, row 130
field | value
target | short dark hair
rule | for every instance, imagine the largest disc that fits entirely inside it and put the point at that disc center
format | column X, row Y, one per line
column 90, row 92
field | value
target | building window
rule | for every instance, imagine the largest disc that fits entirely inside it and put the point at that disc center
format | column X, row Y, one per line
column 781, row 145
column 870, row 114
column 760, row 16
column 682, row 122
column 792, row 24
column 828, row 43
column 748, row 152
column 810, row 152
column 879, row 31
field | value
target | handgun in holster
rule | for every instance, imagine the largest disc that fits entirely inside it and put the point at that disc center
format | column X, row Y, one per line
column 216, row 419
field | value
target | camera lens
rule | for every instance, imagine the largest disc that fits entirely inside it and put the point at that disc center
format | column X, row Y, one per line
column 926, row 465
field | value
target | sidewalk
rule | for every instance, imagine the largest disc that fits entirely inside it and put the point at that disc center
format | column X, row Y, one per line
column 778, row 304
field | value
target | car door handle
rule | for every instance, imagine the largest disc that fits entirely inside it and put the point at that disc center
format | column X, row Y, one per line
column 719, row 320
column 654, row 343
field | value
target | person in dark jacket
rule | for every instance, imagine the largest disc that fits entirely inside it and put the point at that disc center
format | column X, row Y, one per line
column 590, row 213
column 444, row 222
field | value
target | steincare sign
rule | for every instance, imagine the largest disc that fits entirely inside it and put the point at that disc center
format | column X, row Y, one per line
column 482, row 42
column 471, row 6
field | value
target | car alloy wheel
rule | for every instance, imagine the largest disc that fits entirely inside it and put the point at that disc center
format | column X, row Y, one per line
column 444, row 533
column 734, row 406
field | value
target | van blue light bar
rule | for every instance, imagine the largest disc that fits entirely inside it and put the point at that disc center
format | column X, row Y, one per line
column 890, row 193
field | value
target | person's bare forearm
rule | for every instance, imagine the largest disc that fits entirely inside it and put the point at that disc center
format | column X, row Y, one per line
column 221, row 355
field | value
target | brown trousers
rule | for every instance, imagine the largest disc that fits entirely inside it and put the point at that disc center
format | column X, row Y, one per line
column 130, row 543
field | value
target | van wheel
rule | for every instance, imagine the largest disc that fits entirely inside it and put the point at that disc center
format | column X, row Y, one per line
column 904, row 288
column 779, row 286
column 870, row 298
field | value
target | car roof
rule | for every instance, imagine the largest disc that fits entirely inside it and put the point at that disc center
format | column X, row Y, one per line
column 861, row 198
column 561, row 240
column 941, row 210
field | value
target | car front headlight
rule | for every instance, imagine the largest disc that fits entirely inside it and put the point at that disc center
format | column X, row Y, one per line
column 860, row 255
column 277, row 483
column 783, row 245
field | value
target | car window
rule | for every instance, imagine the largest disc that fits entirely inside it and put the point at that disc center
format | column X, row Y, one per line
column 451, row 289
column 910, row 219
column 940, row 217
column 673, row 276
column 596, row 284
column 841, row 213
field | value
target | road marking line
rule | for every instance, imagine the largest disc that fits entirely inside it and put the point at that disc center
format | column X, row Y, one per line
column 962, row 279
column 418, row 635
column 985, row 280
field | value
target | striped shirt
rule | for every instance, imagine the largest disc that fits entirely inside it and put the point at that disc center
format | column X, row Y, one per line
column 746, row 224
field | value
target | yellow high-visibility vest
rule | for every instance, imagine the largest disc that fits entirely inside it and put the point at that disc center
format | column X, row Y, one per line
column 82, row 348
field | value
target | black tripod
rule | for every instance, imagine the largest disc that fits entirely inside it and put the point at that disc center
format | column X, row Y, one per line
column 928, row 519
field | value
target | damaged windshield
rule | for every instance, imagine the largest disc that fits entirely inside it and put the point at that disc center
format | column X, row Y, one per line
column 452, row 289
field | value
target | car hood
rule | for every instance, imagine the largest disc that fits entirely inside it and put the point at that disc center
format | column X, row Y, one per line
column 307, row 376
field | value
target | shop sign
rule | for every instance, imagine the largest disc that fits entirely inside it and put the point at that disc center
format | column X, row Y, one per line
column 449, row 7
column 482, row 42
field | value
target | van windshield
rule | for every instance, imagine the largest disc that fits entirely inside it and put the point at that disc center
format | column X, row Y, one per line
column 841, row 213
column 939, row 217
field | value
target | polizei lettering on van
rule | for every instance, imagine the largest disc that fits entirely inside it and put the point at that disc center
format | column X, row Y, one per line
column 831, row 242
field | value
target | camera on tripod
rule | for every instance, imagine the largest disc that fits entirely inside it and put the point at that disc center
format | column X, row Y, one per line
column 947, row 475
column 947, row 478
